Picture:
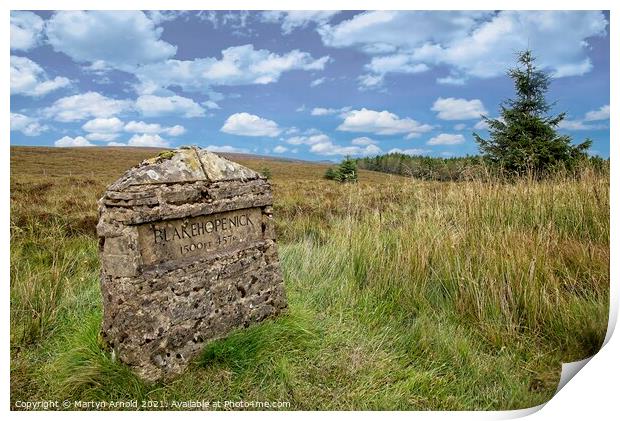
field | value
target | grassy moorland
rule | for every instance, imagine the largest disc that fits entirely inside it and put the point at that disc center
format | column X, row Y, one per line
column 403, row 294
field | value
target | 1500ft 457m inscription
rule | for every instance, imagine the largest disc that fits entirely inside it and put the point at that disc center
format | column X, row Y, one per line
column 179, row 238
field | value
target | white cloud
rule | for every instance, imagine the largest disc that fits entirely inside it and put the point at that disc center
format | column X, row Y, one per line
column 446, row 139
column 458, row 108
column 103, row 125
column 176, row 130
column 116, row 144
column 211, row 105
column 120, row 39
column 26, row 28
column 153, row 128
column 102, row 137
column 293, row 19
column 473, row 44
column 381, row 122
column 28, row 78
column 451, row 80
column 363, row 141
column 329, row 148
column 577, row 125
column 227, row 148
column 369, row 81
column 87, row 105
column 596, row 115
column 481, row 125
column 280, row 149
column 398, row 63
column 385, row 31
column 585, row 123
column 308, row 140
column 159, row 16
column 411, row 151
column 244, row 124
column 27, row 125
column 153, row 140
column 322, row 144
column 72, row 142
column 317, row 82
column 240, row 65
column 156, row 106
column 319, row 111
column 460, row 126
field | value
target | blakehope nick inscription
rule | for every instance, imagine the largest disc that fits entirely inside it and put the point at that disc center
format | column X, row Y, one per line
column 192, row 237
column 188, row 254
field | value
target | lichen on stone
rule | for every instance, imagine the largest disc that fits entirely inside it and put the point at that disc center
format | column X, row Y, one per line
column 166, row 154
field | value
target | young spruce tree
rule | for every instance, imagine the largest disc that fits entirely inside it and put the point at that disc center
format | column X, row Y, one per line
column 524, row 138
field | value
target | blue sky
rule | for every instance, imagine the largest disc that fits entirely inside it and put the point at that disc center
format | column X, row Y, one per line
column 313, row 85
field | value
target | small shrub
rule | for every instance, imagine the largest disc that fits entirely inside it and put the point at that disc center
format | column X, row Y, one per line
column 266, row 172
column 346, row 172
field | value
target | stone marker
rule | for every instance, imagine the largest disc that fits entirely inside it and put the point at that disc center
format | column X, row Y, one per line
column 188, row 254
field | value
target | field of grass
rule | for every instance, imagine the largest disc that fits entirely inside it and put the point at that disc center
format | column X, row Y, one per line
column 403, row 294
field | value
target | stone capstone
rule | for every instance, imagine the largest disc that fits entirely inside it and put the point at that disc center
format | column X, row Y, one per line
column 188, row 254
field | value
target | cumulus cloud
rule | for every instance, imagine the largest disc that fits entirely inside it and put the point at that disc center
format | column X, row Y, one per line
column 381, row 122
column 585, row 123
column 87, row 105
column 153, row 128
column 446, row 139
column 26, row 28
column 153, row 140
column 458, row 108
column 398, row 63
column 27, row 125
column 103, row 125
column 240, row 65
column 120, row 39
column 596, row 115
column 28, row 78
column 473, row 44
column 290, row 20
column 322, row 144
column 280, row 149
column 460, row 126
column 156, row 106
column 330, row 148
column 226, row 148
column 67, row 141
column 244, row 124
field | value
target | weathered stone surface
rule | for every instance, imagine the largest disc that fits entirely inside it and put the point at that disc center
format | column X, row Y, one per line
column 188, row 254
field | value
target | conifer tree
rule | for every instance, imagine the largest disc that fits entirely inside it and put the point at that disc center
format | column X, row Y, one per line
column 524, row 138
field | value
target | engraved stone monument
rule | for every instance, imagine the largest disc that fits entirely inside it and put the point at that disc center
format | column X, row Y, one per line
column 188, row 253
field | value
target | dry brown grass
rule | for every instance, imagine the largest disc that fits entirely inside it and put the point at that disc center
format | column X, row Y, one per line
column 404, row 294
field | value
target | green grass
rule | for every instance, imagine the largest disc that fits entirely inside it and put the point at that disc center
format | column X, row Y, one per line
column 402, row 294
